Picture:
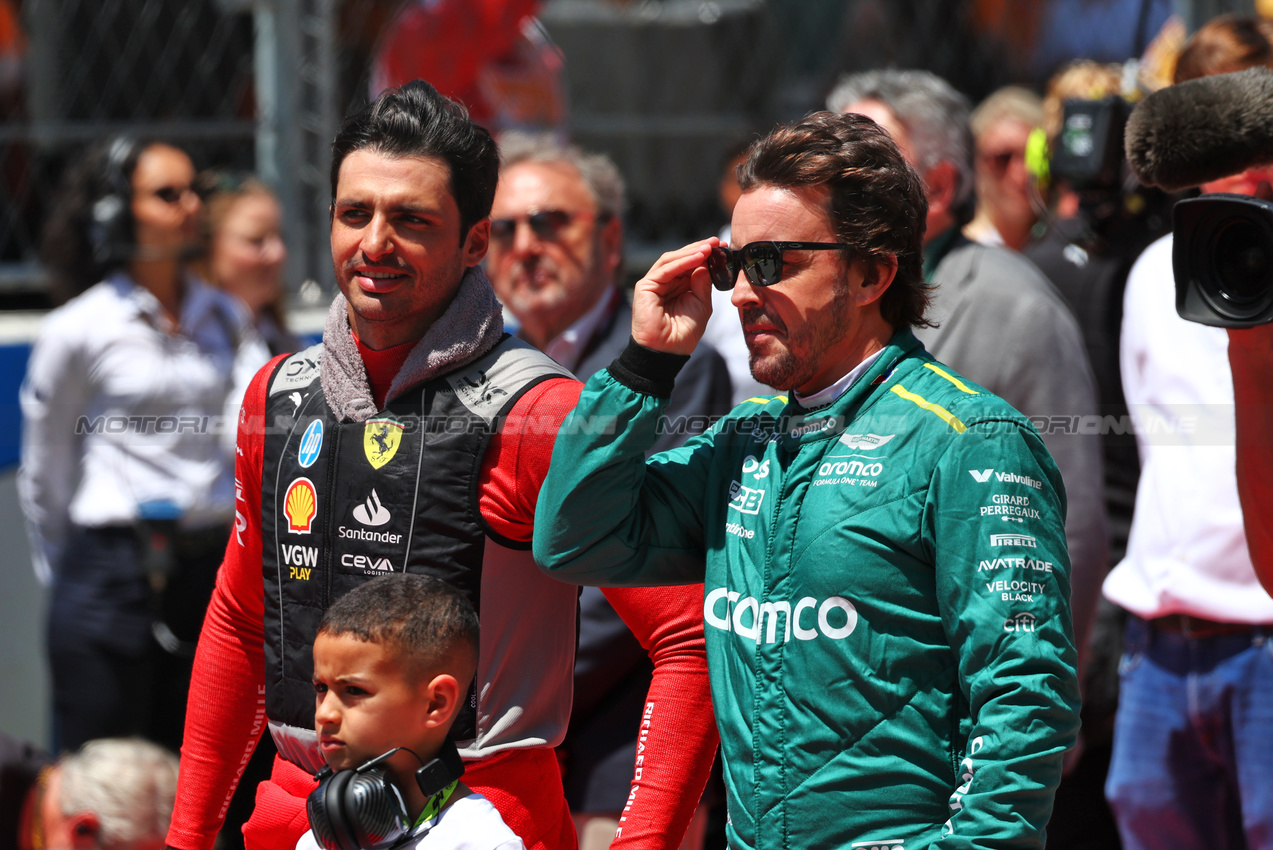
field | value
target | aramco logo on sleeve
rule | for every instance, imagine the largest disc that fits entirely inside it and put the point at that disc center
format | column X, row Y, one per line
column 380, row 440
column 300, row 504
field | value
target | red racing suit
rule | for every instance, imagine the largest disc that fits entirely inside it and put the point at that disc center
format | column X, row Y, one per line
column 226, row 714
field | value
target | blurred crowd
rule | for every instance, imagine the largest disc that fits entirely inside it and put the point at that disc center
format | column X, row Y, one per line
column 1053, row 289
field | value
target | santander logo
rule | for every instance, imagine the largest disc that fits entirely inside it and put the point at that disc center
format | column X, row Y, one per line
column 371, row 513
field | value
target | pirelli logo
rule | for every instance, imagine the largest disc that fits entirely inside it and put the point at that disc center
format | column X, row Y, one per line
column 1013, row 540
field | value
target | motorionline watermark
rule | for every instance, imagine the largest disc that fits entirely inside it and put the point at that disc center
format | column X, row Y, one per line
column 158, row 424
column 1177, row 424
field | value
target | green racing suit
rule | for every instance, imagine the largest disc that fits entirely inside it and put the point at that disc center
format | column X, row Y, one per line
column 886, row 595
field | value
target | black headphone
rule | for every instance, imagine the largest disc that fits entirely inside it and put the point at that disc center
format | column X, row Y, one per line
column 110, row 225
column 361, row 808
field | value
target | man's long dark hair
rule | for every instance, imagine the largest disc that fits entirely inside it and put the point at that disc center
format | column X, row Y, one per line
column 414, row 120
column 877, row 202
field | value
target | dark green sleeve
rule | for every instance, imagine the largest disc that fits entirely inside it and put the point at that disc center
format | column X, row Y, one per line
column 995, row 522
column 605, row 515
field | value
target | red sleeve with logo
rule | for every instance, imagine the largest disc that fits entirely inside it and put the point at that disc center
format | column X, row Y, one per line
column 226, row 709
column 678, row 738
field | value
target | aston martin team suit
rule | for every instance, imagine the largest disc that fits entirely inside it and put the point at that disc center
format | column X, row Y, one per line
column 887, row 594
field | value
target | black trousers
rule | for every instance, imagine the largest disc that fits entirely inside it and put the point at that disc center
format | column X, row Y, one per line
column 110, row 675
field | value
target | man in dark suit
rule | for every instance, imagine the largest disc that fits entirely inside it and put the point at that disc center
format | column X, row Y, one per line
column 556, row 261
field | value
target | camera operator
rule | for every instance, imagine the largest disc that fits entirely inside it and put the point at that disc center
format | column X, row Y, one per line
column 1190, row 766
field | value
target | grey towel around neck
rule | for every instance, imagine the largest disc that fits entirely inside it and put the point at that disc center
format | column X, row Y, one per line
column 470, row 327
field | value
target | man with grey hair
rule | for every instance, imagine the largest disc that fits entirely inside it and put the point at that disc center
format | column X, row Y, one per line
column 556, row 260
column 111, row 794
column 995, row 317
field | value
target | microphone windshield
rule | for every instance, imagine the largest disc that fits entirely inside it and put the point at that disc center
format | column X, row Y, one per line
column 1195, row 132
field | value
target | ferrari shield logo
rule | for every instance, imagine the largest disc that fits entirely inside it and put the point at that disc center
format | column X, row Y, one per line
column 380, row 440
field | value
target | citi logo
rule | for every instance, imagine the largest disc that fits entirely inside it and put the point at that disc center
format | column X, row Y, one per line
column 1020, row 623
column 371, row 513
column 834, row 618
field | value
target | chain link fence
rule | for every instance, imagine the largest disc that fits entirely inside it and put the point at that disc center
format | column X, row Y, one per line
column 666, row 88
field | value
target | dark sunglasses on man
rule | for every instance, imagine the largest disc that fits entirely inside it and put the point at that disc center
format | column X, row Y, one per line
column 547, row 225
column 760, row 261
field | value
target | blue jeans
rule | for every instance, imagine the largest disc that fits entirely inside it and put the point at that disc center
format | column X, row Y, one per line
column 1193, row 741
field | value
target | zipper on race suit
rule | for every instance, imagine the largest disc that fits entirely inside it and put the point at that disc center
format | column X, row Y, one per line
column 329, row 517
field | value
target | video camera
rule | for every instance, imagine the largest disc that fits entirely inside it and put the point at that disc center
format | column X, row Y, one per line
column 1197, row 132
column 1089, row 149
column 1222, row 254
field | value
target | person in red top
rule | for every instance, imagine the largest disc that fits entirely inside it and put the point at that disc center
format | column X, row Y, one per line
column 1251, row 359
column 416, row 437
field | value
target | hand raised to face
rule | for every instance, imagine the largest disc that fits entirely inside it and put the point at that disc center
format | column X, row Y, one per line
column 671, row 304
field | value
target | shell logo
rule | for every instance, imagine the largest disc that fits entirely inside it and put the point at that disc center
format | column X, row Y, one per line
column 301, row 506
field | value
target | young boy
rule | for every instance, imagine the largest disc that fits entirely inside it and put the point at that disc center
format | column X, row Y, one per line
column 393, row 660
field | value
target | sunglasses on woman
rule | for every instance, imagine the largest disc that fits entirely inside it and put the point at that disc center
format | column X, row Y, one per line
column 760, row 261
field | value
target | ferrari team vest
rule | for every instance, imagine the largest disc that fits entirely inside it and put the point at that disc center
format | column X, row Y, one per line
column 343, row 502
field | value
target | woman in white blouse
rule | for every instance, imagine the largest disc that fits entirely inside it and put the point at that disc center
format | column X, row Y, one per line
column 127, row 455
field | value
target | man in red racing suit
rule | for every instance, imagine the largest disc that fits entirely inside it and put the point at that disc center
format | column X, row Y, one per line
column 376, row 240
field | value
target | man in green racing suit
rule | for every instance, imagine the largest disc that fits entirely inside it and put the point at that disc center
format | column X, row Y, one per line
column 887, row 587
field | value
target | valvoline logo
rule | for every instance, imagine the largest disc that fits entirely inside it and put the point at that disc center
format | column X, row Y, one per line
column 311, row 444
column 300, row 504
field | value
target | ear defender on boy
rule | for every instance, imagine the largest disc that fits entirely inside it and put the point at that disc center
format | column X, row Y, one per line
column 361, row 808
column 356, row 809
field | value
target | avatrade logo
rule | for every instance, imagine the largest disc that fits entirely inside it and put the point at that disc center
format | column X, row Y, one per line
column 300, row 504
column 865, row 441
column 311, row 444
column 834, row 617
column 1013, row 540
column 371, row 513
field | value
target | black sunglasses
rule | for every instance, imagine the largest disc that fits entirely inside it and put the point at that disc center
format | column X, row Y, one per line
column 760, row 261
column 172, row 195
column 545, row 224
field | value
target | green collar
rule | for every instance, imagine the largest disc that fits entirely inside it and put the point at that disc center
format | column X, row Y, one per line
column 436, row 804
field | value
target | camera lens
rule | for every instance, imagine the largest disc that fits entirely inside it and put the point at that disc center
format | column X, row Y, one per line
column 1242, row 269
